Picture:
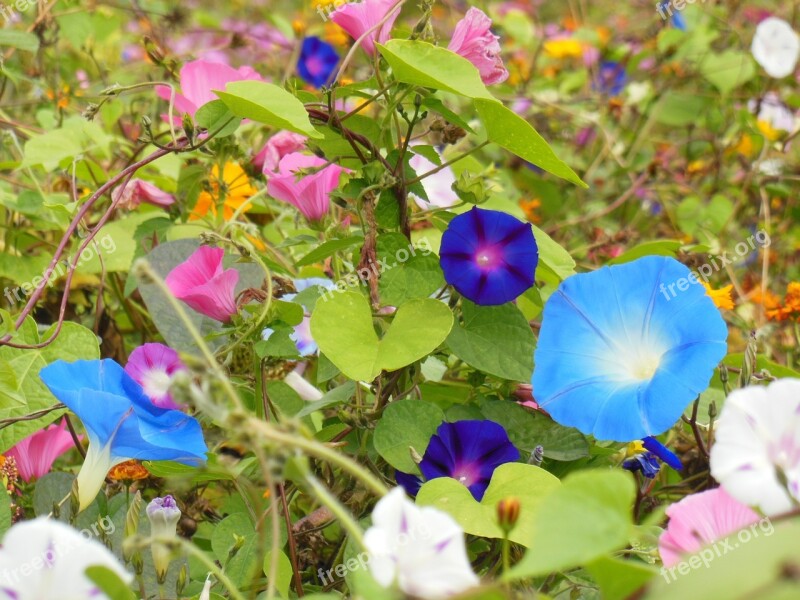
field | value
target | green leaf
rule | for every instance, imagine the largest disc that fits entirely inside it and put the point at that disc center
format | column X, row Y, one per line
column 405, row 424
column 507, row 129
column 342, row 326
column 436, row 105
column 552, row 257
column 679, row 109
column 269, row 104
column 283, row 576
column 5, row 513
column 74, row 342
column 494, row 339
column 619, row 579
column 245, row 563
column 76, row 136
column 215, row 115
column 588, row 517
column 21, row 40
column 423, row 64
column 329, row 248
column 408, row 275
column 527, row 483
column 728, row 69
column 655, row 248
column 528, row 429
column 109, row 583
column 338, row 395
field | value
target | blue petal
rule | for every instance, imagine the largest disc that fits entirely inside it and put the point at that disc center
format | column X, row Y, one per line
column 410, row 483
column 620, row 356
column 662, row 452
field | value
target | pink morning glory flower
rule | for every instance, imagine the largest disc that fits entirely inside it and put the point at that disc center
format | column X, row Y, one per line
column 198, row 80
column 474, row 40
column 36, row 454
column 137, row 191
column 358, row 17
column 152, row 366
column 279, row 145
column 700, row 520
column 310, row 194
column 201, row 282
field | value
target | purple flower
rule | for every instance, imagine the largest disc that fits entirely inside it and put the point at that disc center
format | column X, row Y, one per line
column 646, row 462
column 317, row 62
column 467, row 451
column 655, row 447
column 489, row 256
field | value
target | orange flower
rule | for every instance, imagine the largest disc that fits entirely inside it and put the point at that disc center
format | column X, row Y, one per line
column 130, row 470
column 530, row 207
column 234, row 187
column 721, row 297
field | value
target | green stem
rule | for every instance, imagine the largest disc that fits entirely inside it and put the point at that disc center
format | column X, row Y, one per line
column 339, row 511
column 212, row 567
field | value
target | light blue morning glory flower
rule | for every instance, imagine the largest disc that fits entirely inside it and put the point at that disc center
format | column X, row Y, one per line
column 121, row 422
column 623, row 350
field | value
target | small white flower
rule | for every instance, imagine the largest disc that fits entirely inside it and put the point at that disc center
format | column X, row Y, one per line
column 163, row 514
column 776, row 47
column 756, row 457
column 438, row 187
column 421, row 548
column 44, row 558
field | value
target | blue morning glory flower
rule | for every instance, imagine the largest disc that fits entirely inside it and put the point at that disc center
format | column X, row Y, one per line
column 646, row 462
column 121, row 422
column 468, row 451
column 317, row 61
column 623, row 350
column 489, row 256
column 611, row 78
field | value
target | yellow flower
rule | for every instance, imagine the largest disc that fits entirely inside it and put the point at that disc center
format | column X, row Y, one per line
column 745, row 146
column 768, row 130
column 234, row 187
column 335, row 34
column 563, row 48
column 130, row 470
column 634, row 448
column 721, row 297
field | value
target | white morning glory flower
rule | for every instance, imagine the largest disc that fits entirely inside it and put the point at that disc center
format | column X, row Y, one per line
column 756, row 457
column 421, row 548
column 44, row 558
column 776, row 47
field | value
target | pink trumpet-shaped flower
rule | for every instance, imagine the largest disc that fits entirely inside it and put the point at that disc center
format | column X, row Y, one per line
column 700, row 520
column 198, row 80
column 311, row 193
column 36, row 454
column 279, row 145
column 152, row 366
column 474, row 40
column 138, row 191
column 201, row 282
column 358, row 17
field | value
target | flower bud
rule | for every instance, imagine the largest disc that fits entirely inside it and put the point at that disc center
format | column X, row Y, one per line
column 508, row 513
column 163, row 514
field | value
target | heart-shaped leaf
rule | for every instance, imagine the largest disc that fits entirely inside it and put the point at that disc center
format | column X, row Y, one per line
column 342, row 327
column 527, row 483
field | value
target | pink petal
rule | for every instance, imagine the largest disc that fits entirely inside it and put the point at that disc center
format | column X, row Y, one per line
column 201, row 283
column 36, row 454
column 357, row 17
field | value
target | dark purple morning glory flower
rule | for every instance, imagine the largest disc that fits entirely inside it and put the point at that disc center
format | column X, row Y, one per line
column 651, row 444
column 317, row 61
column 611, row 78
column 646, row 462
column 489, row 256
column 468, row 451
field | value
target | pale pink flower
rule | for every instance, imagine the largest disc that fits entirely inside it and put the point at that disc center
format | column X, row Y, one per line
column 199, row 79
column 201, row 282
column 279, row 145
column 36, row 454
column 474, row 40
column 699, row 520
column 358, row 17
column 309, row 194
column 152, row 366
column 138, row 191
column 438, row 187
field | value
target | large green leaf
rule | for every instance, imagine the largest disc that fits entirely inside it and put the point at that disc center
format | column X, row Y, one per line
column 74, row 342
column 552, row 257
column 420, row 63
column 406, row 276
column 619, row 579
column 406, row 424
column 76, row 136
column 21, row 40
column 507, row 129
column 342, row 326
column 728, row 69
column 588, row 517
column 494, row 339
column 267, row 103
column 529, row 484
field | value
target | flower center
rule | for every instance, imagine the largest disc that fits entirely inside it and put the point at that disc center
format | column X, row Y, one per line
column 486, row 258
column 465, row 474
column 156, row 383
column 644, row 366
